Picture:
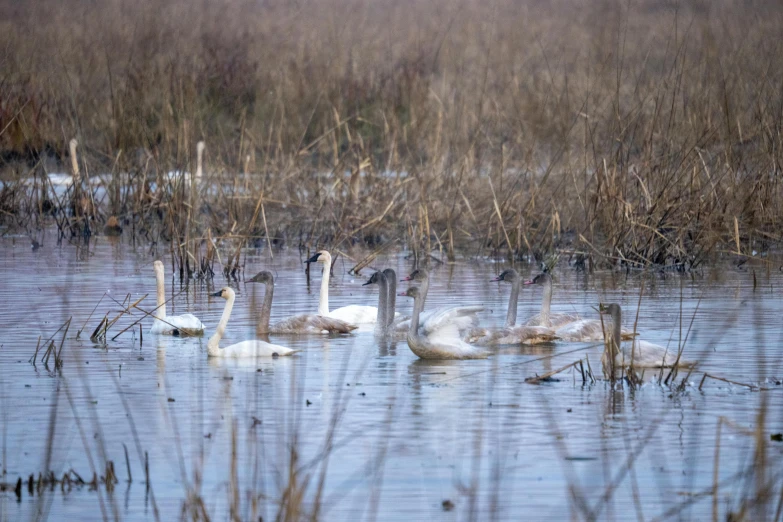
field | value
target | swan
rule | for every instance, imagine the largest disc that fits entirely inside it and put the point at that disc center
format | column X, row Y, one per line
column 545, row 318
column 391, row 279
column 297, row 324
column 352, row 314
column 252, row 348
column 382, row 317
column 640, row 354
column 186, row 324
column 511, row 334
column 463, row 318
column 586, row 330
column 442, row 343
column 200, row 146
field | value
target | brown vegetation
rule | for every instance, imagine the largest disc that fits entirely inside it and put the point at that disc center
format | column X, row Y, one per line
column 639, row 133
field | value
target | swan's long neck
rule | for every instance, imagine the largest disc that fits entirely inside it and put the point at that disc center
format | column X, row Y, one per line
column 616, row 331
column 423, row 289
column 160, row 311
column 546, row 303
column 381, row 319
column 199, row 162
column 213, row 346
column 513, row 299
column 266, row 309
column 418, row 304
column 323, row 303
column 391, row 281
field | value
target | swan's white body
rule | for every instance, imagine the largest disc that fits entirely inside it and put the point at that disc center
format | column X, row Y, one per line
column 351, row 314
column 459, row 318
column 443, row 340
column 186, row 324
column 638, row 353
column 244, row 349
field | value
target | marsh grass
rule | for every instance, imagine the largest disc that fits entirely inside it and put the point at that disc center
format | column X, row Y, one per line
column 638, row 134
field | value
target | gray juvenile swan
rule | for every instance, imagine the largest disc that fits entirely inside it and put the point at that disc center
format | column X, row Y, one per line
column 185, row 324
column 442, row 343
column 639, row 354
column 385, row 315
column 545, row 317
column 511, row 334
column 252, row 348
column 298, row 324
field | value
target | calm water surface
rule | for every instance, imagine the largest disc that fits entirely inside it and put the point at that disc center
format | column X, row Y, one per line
column 391, row 436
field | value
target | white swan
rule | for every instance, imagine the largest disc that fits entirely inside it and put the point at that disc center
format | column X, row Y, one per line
column 186, row 324
column 442, row 343
column 352, row 314
column 252, row 348
column 510, row 333
column 639, row 354
column 297, row 324
column 546, row 318
column 461, row 318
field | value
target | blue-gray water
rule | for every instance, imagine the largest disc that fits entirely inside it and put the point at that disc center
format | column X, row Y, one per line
column 391, row 436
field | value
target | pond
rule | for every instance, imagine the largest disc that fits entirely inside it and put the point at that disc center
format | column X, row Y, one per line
column 357, row 428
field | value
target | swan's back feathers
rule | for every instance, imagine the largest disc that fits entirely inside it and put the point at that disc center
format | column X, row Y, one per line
column 355, row 314
column 457, row 318
column 253, row 348
column 312, row 323
column 648, row 355
column 186, row 324
column 585, row 330
column 512, row 335
column 555, row 320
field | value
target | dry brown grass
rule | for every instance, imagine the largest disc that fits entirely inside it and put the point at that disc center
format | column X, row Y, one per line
column 630, row 132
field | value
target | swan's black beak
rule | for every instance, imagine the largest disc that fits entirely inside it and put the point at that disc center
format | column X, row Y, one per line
column 367, row 283
column 219, row 293
column 314, row 258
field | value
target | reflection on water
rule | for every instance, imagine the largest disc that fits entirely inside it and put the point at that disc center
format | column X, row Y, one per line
column 401, row 434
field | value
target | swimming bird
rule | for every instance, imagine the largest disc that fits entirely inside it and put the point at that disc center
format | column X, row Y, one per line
column 252, row 348
column 382, row 318
column 463, row 318
column 545, row 317
column 510, row 333
column 297, row 324
column 441, row 343
column 186, row 324
column 639, row 354
column 352, row 314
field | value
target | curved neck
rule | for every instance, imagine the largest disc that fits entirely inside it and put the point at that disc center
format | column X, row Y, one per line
column 616, row 331
column 199, row 160
column 391, row 290
column 323, row 303
column 418, row 304
column 266, row 309
column 546, row 303
column 213, row 346
column 160, row 311
column 381, row 319
column 513, row 299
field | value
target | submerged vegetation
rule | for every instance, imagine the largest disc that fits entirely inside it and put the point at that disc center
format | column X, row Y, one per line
column 642, row 133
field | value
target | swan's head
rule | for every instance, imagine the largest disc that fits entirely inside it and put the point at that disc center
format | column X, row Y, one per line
column 540, row 279
column 73, row 144
column 509, row 276
column 322, row 256
column 225, row 293
column 417, row 275
column 610, row 309
column 375, row 279
column 390, row 273
column 158, row 266
column 411, row 292
column 200, row 146
column 263, row 277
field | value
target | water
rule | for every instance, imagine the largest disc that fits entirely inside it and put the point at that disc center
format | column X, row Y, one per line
column 396, row 436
